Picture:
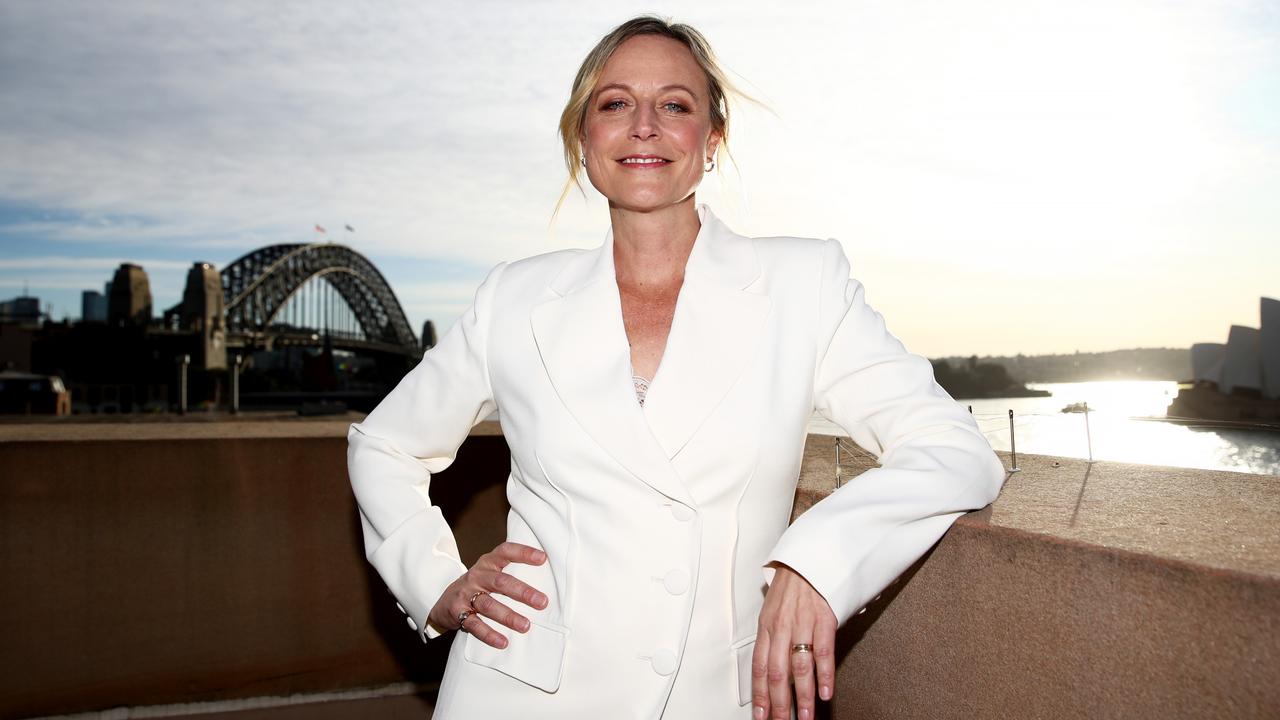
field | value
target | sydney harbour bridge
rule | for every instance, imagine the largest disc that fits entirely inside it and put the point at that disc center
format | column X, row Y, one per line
column 300, row 322
column 281, row 326
column 297, row 294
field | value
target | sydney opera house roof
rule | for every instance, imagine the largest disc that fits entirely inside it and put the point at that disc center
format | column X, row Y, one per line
column 1269, row 347
column 1250, row 359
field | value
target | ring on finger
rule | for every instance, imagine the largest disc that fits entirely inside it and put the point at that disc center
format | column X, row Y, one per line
column 462, row 619
column 472, row 601
column 801, row 648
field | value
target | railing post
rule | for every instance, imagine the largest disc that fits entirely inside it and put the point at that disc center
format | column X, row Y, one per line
column 235, row 387
column 1013, row 444
column 837, row 462
column 1088, row 436
column 182, row 385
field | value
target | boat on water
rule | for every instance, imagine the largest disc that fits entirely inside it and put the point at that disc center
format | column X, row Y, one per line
column 1237, row 381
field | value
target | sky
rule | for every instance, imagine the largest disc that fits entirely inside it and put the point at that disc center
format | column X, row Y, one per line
column 1006, row 177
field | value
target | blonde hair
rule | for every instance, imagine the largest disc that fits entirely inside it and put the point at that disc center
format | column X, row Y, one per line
column 584, row 84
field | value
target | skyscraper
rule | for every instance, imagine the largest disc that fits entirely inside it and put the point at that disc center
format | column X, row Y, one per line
column 130, row 300
column 93, row 306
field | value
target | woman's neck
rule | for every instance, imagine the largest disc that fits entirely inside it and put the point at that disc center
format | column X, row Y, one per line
column 650, row 249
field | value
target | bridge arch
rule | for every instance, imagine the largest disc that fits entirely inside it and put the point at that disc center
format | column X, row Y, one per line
column 258, row 285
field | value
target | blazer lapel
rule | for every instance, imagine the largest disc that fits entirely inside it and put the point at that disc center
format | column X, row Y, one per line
column 714, row 334
column 583, row 345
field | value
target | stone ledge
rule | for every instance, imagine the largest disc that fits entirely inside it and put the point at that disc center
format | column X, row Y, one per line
column 1105, row 591
column 1099, row 591
column 194, row 427
column 1225, row 521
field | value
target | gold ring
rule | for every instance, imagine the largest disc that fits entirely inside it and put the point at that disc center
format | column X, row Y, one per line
column 802, row 648
column 472, row 601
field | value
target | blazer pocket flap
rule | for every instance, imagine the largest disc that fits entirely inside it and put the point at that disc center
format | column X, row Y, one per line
column 535, row 657
column 743, row 650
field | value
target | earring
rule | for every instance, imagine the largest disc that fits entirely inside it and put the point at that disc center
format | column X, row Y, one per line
column 584, row 161
column 711, row 166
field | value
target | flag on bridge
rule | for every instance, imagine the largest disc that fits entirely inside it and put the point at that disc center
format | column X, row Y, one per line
column 349, row 228
column 319, row 229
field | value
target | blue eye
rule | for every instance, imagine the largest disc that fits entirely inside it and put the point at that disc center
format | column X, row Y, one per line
column 675, row 107
column 613, row 105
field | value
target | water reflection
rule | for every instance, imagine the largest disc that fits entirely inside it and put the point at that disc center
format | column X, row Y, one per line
column 1116, row 434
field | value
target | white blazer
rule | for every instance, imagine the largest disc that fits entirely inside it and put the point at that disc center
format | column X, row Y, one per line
column 641, row 509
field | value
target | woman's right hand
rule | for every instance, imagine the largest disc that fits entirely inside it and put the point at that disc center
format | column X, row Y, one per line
column 486, row 576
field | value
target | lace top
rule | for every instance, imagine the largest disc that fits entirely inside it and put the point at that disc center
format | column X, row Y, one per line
column 642, row 387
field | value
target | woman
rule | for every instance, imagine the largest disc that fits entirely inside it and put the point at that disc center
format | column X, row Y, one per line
column 655, row 393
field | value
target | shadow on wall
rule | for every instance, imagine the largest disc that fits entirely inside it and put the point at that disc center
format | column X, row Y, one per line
column 149, row 572
column 471, row 494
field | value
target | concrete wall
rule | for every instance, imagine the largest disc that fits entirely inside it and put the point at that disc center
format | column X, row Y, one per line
column 172, row 570
column 1005, row 625
column 183, row 566
column 1104, row 590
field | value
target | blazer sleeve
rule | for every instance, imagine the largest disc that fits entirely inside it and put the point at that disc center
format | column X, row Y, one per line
column 934, row 462
column 416, row 431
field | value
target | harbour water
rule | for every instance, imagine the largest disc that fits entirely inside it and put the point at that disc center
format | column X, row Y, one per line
column 1115, row 428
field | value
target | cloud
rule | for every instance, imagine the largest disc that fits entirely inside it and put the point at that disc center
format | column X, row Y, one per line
column 1022, row 134
column 236, row 118
column 50, row 263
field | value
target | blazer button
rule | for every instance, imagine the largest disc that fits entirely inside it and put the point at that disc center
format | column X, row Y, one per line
column 683, row 513
column 664, row 662
column 676, row 582
column 412, row 625
column 401, row 608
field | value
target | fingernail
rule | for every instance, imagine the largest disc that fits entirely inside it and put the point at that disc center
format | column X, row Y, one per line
column 502, row 642
column 826, row 692
column 758, row 713
column 524, row 626
column 804, row 713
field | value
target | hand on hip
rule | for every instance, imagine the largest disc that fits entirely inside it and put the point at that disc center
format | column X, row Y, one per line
column 467, row 598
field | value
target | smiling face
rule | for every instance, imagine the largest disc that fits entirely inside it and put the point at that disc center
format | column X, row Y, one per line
column 648, row 131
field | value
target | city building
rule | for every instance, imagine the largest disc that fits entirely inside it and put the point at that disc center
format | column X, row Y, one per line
column 129, row 301
column 93, row 306
column 22, row 309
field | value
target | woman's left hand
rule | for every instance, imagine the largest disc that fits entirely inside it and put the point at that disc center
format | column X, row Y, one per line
column 793, row 613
